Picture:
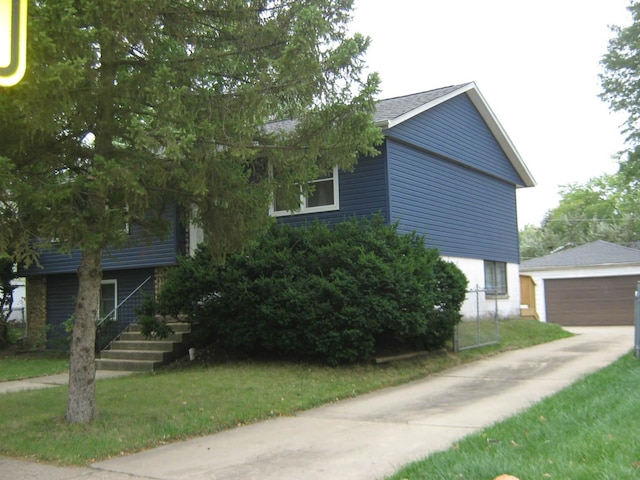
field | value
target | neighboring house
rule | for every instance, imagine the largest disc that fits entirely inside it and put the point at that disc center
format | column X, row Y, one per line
column 593, row 284
column 18, row 311
column 447, row 170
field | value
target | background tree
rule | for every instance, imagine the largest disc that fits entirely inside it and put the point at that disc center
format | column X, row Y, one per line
column 620, row 83
column 603, row 208
column 128, row 105
column 620, row 80
column 537, row 241
column 606, row 207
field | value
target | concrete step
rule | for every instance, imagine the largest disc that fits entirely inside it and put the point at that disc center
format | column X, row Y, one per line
column 137, row 336
column 132, row 351
column 127, row 365
column 177, row 327
column 152, row 355
column 153, row 345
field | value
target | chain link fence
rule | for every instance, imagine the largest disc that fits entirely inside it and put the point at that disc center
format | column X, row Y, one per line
column 483, row 328
column 16, row 322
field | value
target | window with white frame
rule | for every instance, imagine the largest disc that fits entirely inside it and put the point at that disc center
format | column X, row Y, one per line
column 324, row 197
column 495, row 278
column 109, row 299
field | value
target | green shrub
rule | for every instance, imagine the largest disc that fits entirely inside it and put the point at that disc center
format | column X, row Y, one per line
column 324, row 294
column 151, row 326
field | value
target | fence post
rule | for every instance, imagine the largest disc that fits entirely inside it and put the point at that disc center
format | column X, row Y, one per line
column 637, row 322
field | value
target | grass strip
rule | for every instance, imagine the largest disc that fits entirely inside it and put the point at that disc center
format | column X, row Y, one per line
column 29, row 365
column 587, row 431
column 148, row 410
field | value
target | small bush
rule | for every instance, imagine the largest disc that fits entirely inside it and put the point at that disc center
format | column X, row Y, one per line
column 151, row 326
column 323, row 294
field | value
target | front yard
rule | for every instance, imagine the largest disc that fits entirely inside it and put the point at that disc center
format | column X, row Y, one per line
column 147, row 410
column 590, row 430
column 31, row 364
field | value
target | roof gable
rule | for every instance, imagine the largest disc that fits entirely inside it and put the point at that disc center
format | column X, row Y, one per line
column 394, row 111
column 597, row 253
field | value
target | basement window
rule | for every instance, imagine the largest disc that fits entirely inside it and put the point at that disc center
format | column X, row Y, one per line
column 495, row 278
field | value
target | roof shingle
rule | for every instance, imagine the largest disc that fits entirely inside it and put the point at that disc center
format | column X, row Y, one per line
column 590, row 254
column 391, row 108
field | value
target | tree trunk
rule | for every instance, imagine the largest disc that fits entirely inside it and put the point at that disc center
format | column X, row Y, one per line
column 81, row 405
column 4, row 334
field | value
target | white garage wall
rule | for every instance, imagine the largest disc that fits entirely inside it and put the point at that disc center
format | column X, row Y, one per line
column 539, row 277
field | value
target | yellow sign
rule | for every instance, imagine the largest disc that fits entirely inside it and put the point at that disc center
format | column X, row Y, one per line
column 13, row 41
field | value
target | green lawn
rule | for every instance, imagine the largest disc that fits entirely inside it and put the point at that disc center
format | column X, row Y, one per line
column 588, row 431
column 28, row 365
column 147, row 410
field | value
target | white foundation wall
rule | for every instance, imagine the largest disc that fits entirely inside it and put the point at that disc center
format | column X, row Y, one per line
column 477, row 304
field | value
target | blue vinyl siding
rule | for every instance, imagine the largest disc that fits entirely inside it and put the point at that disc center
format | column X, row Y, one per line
column 61, row 294
column 363, row 193
column 461, row 211
column 62, row 290
column 456, row 130
column 139, row 253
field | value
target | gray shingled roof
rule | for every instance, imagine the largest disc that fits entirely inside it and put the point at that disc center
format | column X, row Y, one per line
column 386, row 110
column 396, row 107
column 590, row 254
column 394, row 111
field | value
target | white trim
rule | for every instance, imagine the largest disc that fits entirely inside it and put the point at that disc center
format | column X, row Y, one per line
column 603, row 270
column 322, row 208
column 113, row 282
column 196, row 237
column 471, row 89
column 426, row 106
column 501, row 136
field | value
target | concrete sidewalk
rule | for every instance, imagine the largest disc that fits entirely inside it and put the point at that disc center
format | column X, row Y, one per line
column 51, row 381
column 371, row 436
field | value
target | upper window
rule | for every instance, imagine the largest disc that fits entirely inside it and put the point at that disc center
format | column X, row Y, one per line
column 323, row 198
column 495, row 278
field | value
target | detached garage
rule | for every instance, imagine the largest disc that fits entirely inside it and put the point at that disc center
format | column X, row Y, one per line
column 589, row 285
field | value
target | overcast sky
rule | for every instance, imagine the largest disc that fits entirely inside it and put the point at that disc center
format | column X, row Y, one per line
column 536, row 64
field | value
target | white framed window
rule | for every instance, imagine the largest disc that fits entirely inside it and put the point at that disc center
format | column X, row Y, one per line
column 495, row 278
column 324, row 198
column 109, row 299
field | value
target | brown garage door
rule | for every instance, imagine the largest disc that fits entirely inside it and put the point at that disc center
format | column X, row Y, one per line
column 591, row 301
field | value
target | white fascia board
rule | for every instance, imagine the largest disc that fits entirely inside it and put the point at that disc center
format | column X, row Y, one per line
column 602, row 270
column 501, row 135
column 427, row 106
column 489, row 117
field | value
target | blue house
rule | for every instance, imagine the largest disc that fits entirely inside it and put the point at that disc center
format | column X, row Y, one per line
column 446, row 169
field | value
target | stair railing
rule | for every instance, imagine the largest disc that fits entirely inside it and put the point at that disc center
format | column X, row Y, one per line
column 107, row 333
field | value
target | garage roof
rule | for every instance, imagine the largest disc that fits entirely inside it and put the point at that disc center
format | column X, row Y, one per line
column 590, row 254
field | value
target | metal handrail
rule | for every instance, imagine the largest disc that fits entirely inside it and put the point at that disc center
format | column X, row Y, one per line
column 103, row 319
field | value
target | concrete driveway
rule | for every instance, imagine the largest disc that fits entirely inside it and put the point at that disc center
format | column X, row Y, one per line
column 371, row 436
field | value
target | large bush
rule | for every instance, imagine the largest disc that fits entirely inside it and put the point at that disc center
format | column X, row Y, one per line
column 320, row 293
